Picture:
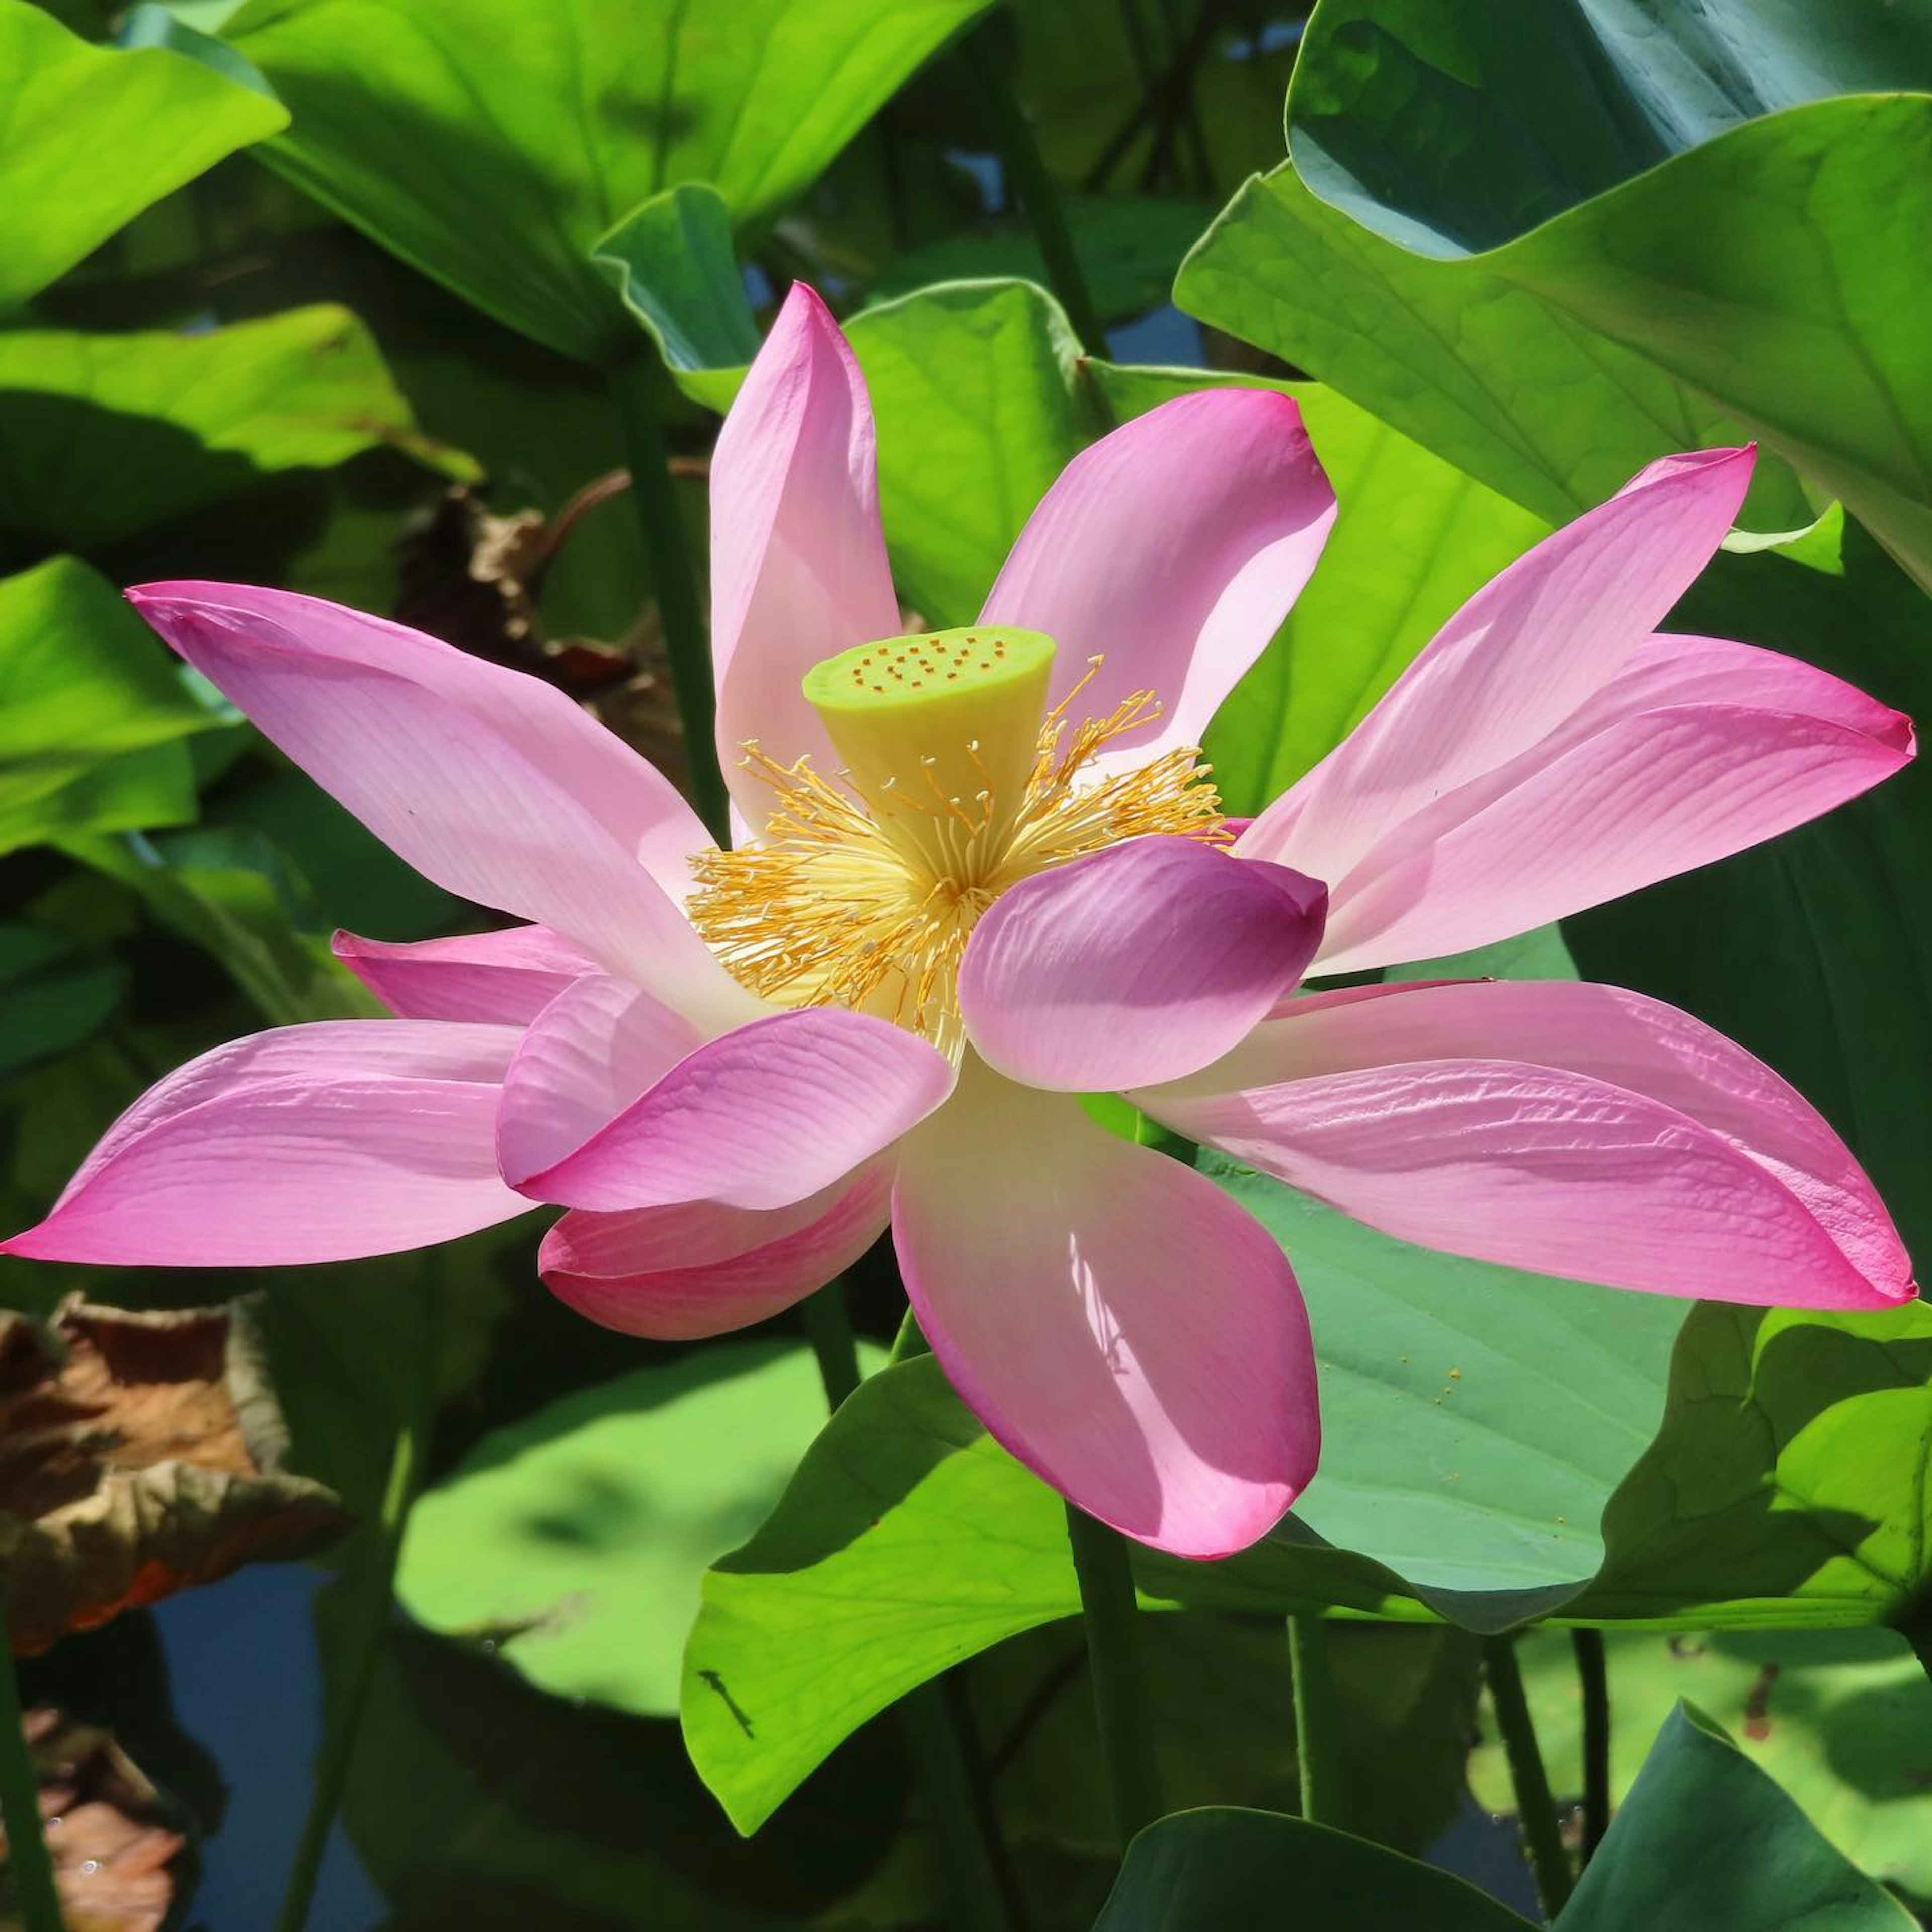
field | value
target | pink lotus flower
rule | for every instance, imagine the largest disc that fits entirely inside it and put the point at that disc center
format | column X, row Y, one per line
column 985, row 875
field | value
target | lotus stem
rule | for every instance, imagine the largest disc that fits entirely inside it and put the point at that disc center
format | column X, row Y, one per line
column 637, row 387
column 1316, row 1737
column 1119, row 1680
column 1536, row 1809
column 27, row 1864
column 1027, row 175
column 1593, row 1679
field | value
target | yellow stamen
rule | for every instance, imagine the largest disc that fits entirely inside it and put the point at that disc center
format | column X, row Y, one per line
column 863, row 894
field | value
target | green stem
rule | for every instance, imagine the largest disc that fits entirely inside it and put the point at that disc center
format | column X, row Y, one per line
column 27, row 1864
column 1594, row 1681
column 1536, row 1809
column 828, row 1328
column 1317, row 1736
column 636, row 388
column 1027, row 175
column 369, row 1627
column 972, row 1892
column 909, row 1342
column 1113, row 1661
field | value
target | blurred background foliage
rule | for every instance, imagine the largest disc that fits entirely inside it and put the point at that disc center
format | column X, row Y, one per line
column 333, row 295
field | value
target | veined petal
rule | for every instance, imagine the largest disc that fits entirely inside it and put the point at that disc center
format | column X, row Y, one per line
column 676, row 1274
column 1697, row 749
column 1572, row 1129
column 1138, row 964
column 761, row 1117
column 502, row 979
column 1512, row 665
column 310, row 1143
column 1172, row 549
column 1113, row 1318
column 592, row 1051
column 492, row 784
column 798, row 554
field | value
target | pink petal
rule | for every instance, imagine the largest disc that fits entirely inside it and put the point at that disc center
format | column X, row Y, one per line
column 1173, row 548
column 492, row 784
column 676, row 1274
column 1113, row 1318
column 1138, row 964
column 762, row 1117
column 598, row 1047
column 309, row 1143
column 1696, row 750
column 505, row 978
column 1571, row 1129
column 798, row 555
column 1512, row 665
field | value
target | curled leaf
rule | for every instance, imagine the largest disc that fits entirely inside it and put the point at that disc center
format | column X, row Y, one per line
column 139, row 1453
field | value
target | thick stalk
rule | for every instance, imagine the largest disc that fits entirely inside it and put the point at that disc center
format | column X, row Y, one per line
column 972, row 1895
column 27, row 1864
column 1027, row 176
column 636, row 388
column 1317, row 1736
column 1593, row 1680
column 369, row 1623
column 1119, row 1682
column 1536, row 1809
column 828, row 1328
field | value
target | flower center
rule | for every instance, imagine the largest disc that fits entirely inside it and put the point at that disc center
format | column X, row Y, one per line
column 957, row 783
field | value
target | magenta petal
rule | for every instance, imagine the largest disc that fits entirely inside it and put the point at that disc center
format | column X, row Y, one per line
column 1697, row 749
column 309, row 1143
column 1512, row 665
column 1113, row 1318
column 1172, row 549
column 675, row 1274
column 1574, row 1129
column 501, row 978
column 1138, row 964
column 492, row 784
column 592, row 1051
column 798, row 555
column 761, row 1117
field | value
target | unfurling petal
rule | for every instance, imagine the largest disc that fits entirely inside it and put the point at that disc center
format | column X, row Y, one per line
column 494, row 784
column 310, row 1143
column 1697, row 749
column 1113, row 1318
column 675, row 1274
column 1571, row 1129
column 1512, row 665
column 499, row 978
column 798, row 555
column 1172, row 549
column 1138, row 964
column 761, row 1117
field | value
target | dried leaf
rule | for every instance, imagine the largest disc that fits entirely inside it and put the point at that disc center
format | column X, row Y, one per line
column 108, row 1829
column 139, row 1453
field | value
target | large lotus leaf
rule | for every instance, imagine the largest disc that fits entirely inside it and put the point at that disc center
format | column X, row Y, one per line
column 94, row 136
column 1759, row 277
column 107, row 433
column 1705, row 1839
column 1456, row 130
column 93, row 713
column 1842, row 1720
column 576, row 1538
column 1213, row 1869
column 143, row 1453
column 54, row 993
column 492, row 144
